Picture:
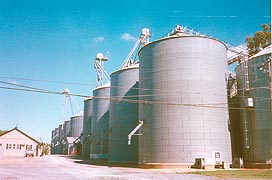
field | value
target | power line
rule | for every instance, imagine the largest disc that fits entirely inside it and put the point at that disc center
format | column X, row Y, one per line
column 30, row 87
column 48, row 81
column 139, row 95
column 136, row 96
column 41, row 91
column 77, row 83
column 141, row 101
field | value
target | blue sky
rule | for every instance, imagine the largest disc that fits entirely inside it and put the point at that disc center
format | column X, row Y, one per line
column 57, row 40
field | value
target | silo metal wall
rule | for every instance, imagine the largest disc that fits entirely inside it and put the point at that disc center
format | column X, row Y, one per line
column 56, row 141
column 60, row 139
column 178, row 77
column 66, row 128
column 100, row 123
column 53, row 134
column 123, row 115
column 234, row 117
column 87, row 120
column 76, row 126
column 66, row 132
column 256, row 122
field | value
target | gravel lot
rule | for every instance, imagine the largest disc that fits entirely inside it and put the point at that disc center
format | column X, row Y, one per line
column 61, row 167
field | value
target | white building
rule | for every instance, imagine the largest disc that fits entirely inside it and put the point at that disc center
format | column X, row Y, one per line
column 17, row 143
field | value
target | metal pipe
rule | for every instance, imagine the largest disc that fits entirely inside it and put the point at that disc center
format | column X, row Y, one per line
column 134, row 131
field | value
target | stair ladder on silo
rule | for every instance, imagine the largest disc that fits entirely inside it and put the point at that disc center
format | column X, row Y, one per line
column 245, row 89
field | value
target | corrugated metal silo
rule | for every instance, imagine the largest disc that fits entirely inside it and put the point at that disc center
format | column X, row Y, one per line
column 183, row 101
column 100, row 122
column 256, row 106
column 123, row 115
column 76, row 125
column 234, row 116
column 53, row 136
column 56, row 141
column 60, row 139
column 67, row 128
column 87, row 120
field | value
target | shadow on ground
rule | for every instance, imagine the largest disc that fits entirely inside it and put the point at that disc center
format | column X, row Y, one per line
column 100, row 162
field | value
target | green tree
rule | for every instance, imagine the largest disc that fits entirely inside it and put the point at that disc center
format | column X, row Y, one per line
column 261, row 38
column 2, row 132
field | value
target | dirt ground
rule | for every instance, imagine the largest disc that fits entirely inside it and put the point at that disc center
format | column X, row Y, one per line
column 62, row 168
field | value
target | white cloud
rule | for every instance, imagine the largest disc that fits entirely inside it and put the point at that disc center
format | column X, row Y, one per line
column 128, row 37
column 99, row 39
column 14, row 82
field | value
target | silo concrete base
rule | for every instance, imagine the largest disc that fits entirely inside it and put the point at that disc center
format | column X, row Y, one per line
column 175, row 165
column 164, row 165
column 258, row 165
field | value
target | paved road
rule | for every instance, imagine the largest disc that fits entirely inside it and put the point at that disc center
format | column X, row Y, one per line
column 65, row 168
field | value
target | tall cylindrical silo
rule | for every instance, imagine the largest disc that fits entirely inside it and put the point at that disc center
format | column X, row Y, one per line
column 87, row 120
column 123, row 114
column 234, row 117
column 60, row 139
column 66, row 132
column 76, row 125
column 53, row 136
column 56, row 141
column 100, row 122
column 254, row 80
column 183, row 101
column 67, row 128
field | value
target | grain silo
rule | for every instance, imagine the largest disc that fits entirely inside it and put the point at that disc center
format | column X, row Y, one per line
column 234, row 116
column 183, row 101
column 53, row 141
column 87, row 120
column 67, row 128
column 66, row 132
column 123, row 114
column 56, row 141
column 60, row 139
column 100, row 122
column 76, row 125
column 254, row 80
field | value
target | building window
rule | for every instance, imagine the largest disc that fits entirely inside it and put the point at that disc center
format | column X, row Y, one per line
column 14, row 145
column 0, row 144
column 9, row 146
column 28, row 147
column 18, row 146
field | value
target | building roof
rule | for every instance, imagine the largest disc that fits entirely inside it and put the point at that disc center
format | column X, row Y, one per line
column 78, row 114
column 16, row 129
column 70, row 140
column 103, row 86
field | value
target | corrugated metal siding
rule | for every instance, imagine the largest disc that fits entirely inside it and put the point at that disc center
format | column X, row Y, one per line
column 177, row 75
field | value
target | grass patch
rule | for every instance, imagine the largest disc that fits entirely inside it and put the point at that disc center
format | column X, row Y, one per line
column 249, row 174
